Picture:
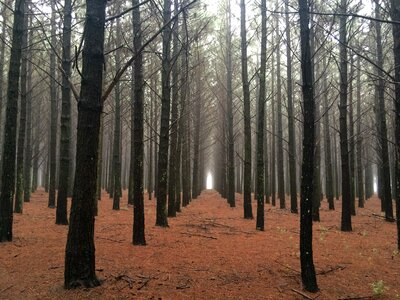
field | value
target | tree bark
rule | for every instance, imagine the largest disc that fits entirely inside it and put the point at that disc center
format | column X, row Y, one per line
column 248, row 213
column 344, row 144
column 53, row 112
column 306, row 254
column 261, row 118
column 10, row 135
column 291, row 121
column 80, row 249
column 61, row 212
column 395, row 13
column 138, row 109
column 161, row 219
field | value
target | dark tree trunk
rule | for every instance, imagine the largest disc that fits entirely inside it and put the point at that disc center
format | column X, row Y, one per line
column 344, row 144
column 395, row 13
column 351, row 140
column 80, row 249
column 261, row 118
column 248, row 213
column 116, row 192
column 162, row 175
column 360, row 179
column 53, row 113
column 291, row 128
column 2, row 56
column 382, row 134
column 19, row 193
column 172, row 169
column 328, row 147
column 10, row 134
column 230, row 165
column 280, row 166
column 196, row 137
column 306, row 252
column 61, row 213
column 138, row 108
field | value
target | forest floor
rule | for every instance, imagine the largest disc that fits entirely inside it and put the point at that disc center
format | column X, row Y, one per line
column 208, row 252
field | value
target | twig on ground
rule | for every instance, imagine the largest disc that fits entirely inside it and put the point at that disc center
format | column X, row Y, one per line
column 304, row 294
column 200, row 235
column 332, row 269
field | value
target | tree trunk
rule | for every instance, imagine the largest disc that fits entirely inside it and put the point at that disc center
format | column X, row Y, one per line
column 291, row 128
column 306, row 254
column 344, row 144
column 61, row 213
column 53, row 112
column 328, row 147
column 10, row 135
column 19, row 194
column 261, row 118
column 395, row 13
column 138, row 108
column 162, row 175
column 359, row 142
column 80, row 250
column 248, row 214
column 230, row 154
column 280, row 166
column 382, row 134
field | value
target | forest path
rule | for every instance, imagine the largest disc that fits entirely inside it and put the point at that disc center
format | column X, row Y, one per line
column 208, row 252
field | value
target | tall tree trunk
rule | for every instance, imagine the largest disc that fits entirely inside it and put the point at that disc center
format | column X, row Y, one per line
column 162, row 175
column 351, row 140
column 172, row 169
column 61, row 213
column 291, row 128
column 80, row 250
column 261, row 118
column 359, row 142
column 196, row 138
column 382, row 134
column 19, row 194
column 306, row 252
column 53, row 112
column 117, row 127
column 138, row 108
column 248, row 213
column 344, row 144
column 230, row 141
column 395, row 13
column 280, row 166
column 328, row 147
column 28, row 145
column 10, row 135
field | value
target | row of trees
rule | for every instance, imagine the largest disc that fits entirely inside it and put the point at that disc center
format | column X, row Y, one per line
column 164, row 104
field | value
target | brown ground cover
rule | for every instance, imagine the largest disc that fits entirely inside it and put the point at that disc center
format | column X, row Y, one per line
column 208, row 252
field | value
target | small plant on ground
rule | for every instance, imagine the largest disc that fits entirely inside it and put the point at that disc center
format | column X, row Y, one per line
column 378, row 287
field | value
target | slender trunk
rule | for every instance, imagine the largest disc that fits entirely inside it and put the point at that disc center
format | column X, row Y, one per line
column 291, row 121
column 280, row 166
column 53, row 113
column 351, row 140
column 359, row 142
column 138, row 108
column 328, row 147
column 395, row 13
column 344, row 144
column 306, row 252
column 248, row 214
column 61, row 213
column 10, row 135
column 80, row 249
column 162, row 175
column 261, row 118
column 382, row 134
column 19, row 193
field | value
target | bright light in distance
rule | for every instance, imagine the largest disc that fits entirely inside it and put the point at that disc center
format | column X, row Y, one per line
column 209, row 184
